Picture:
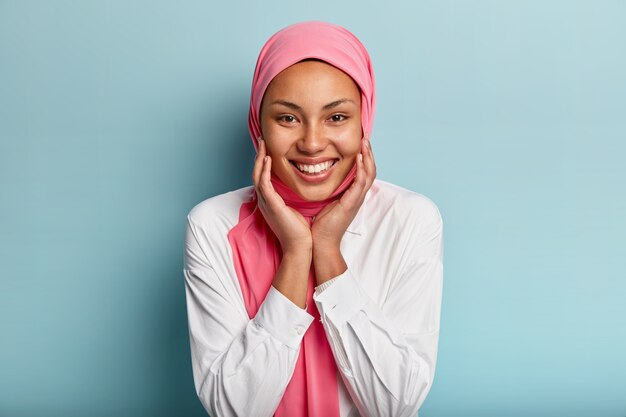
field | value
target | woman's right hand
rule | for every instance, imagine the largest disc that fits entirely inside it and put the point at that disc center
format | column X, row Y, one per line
column 289, row 226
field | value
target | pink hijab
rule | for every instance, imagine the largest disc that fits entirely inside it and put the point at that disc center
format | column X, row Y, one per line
column 312, row 390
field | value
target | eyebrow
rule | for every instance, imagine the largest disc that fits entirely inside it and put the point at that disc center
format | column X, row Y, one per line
column 328, row 106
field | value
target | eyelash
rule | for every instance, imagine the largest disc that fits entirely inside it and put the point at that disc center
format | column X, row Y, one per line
column 342, row 116
column 283, row 118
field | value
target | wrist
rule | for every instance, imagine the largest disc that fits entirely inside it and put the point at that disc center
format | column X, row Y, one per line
column 299, row 247
column 329, row 251
column 291, row 278
column 298, row 254
column 328, row 263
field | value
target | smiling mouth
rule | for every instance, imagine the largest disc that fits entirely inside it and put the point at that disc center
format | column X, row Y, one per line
column 316, row 169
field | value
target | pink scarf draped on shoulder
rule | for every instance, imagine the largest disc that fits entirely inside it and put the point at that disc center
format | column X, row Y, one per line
column 312, row 390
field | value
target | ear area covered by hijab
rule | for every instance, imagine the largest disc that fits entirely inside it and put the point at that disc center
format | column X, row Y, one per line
column 312, row 390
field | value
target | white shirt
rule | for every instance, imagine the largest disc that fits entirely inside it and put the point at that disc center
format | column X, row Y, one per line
column 381, row 316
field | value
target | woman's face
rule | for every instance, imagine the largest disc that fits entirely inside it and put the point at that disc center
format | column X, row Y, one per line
column 311, row 124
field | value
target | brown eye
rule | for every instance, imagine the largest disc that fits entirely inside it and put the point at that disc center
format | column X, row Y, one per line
column 287, row 118
column 337, row 117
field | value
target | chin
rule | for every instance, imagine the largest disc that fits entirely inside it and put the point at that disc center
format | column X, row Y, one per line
column 315, row 193
column 319, row 194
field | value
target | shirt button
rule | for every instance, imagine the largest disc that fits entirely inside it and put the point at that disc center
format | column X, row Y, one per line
column 299, row 329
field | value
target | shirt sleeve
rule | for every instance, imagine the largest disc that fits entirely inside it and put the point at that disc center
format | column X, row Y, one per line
column 241, row 367
column 386, row 354
column 320, row 288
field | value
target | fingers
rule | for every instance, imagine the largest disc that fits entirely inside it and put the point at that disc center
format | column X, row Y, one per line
column 361, row 175
column 367, row 172
column 259, row 172
column 258, row 163
column 268, row 197
column 368, row 158
column 288, row 225
column 365, row 175
column 265, row 182
column 365, row 168
column 355, row 193
column 262, row 175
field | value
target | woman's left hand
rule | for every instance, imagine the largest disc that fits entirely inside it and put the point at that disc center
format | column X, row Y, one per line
column 332, row 222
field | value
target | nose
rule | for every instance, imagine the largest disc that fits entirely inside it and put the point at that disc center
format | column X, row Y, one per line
column 313, row 140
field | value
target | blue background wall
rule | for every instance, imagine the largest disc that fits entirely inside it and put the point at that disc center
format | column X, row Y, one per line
column 116, row 117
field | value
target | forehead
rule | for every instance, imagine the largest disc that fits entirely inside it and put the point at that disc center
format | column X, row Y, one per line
column 311, row 79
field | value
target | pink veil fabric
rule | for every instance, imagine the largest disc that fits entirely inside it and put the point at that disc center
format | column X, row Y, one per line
column 312, row 390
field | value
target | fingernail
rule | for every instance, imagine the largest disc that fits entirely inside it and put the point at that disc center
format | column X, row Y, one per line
column 265, row 159
column 361, row 157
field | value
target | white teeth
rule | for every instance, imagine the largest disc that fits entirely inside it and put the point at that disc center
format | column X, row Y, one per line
column 314, row 169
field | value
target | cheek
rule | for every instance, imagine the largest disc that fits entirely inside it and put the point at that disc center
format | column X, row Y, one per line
column 277, row 144
column 274, row 138
column 350, row 142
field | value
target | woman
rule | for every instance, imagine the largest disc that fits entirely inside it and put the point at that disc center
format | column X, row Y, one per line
column 317, row 291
